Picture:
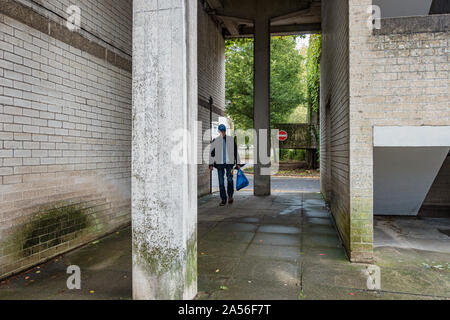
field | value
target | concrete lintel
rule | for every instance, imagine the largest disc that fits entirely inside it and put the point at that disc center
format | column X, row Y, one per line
column 289, row 16
column 231, row 26
column 411, row 136
column 234, row 19
column 283, row 30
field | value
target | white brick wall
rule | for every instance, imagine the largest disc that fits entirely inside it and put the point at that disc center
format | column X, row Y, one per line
column 334, row 113
column 398, row 79
column 65, row 132
column 211, row 83
column 108, row 20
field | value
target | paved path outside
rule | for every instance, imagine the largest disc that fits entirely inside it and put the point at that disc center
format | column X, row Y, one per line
column 282, row 246
column 278, row 184
column 285, row 246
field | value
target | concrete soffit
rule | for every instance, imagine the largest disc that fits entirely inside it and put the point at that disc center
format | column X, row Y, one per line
column 411, row 136
column 240, row 22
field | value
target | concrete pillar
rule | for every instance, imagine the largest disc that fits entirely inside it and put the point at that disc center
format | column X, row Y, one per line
column 164, row 187
column 261, row 109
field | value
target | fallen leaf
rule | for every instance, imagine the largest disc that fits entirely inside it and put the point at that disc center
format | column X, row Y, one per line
column 223, row 288
column 92, row 291
column 217, row 271
column 38, row 271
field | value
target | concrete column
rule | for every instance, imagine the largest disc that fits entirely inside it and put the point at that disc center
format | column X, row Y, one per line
column 261, row 109
column 164, row 173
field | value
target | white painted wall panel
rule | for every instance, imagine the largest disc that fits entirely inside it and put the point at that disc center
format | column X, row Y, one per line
column 403, row 176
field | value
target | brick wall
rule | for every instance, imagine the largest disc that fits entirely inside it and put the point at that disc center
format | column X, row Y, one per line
column 334, row 110
column 65, row 147
column 108, row 21
column 211, row 83
column 395, row 79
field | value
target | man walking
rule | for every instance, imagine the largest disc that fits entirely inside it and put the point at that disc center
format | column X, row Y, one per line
column 224, row 156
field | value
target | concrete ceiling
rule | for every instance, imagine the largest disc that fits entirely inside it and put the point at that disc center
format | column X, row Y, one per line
column 286, row 16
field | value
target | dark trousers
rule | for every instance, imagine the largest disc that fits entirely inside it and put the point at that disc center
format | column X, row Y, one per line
column 221, row 169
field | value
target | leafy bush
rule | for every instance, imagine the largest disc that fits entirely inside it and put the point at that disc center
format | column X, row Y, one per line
column 292, row 155
column 313, row 72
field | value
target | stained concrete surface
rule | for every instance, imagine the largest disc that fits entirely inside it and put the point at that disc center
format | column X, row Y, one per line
column 282, row 246
column 285, row 246
column 278, row 184
column 413, row 254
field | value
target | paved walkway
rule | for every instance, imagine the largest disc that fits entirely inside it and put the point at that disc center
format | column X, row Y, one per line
column 278, row 184
column 279, row 247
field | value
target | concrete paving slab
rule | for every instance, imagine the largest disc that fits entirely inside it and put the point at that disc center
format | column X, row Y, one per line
column 321, row 240
column 318, row 221
column 207, row 285
column 326, row 254
column 234, row 226
column 274, row 228
column 229, row 236
column 280, row 271
column 293, row 221
column 238, row 289
column 219, row 248
column 318, row 229
column 276, row 239
column 323, row 272
column 216, row 266
column 313, row 212
column 274, row 252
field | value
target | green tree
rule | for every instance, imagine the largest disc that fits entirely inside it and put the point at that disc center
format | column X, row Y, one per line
column 313, row 81
column 313, row 72
column 287, row 84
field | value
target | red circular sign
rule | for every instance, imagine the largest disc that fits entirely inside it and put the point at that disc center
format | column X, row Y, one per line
column 282, row 135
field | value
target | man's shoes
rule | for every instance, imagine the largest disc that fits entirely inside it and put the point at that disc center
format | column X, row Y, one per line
column 223, row 203
column 230, row 201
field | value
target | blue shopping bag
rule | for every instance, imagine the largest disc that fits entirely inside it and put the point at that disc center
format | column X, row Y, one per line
column 241, row 180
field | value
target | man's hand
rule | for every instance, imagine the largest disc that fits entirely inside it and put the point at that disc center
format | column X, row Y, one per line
column 211, row 167
column 238, row 167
